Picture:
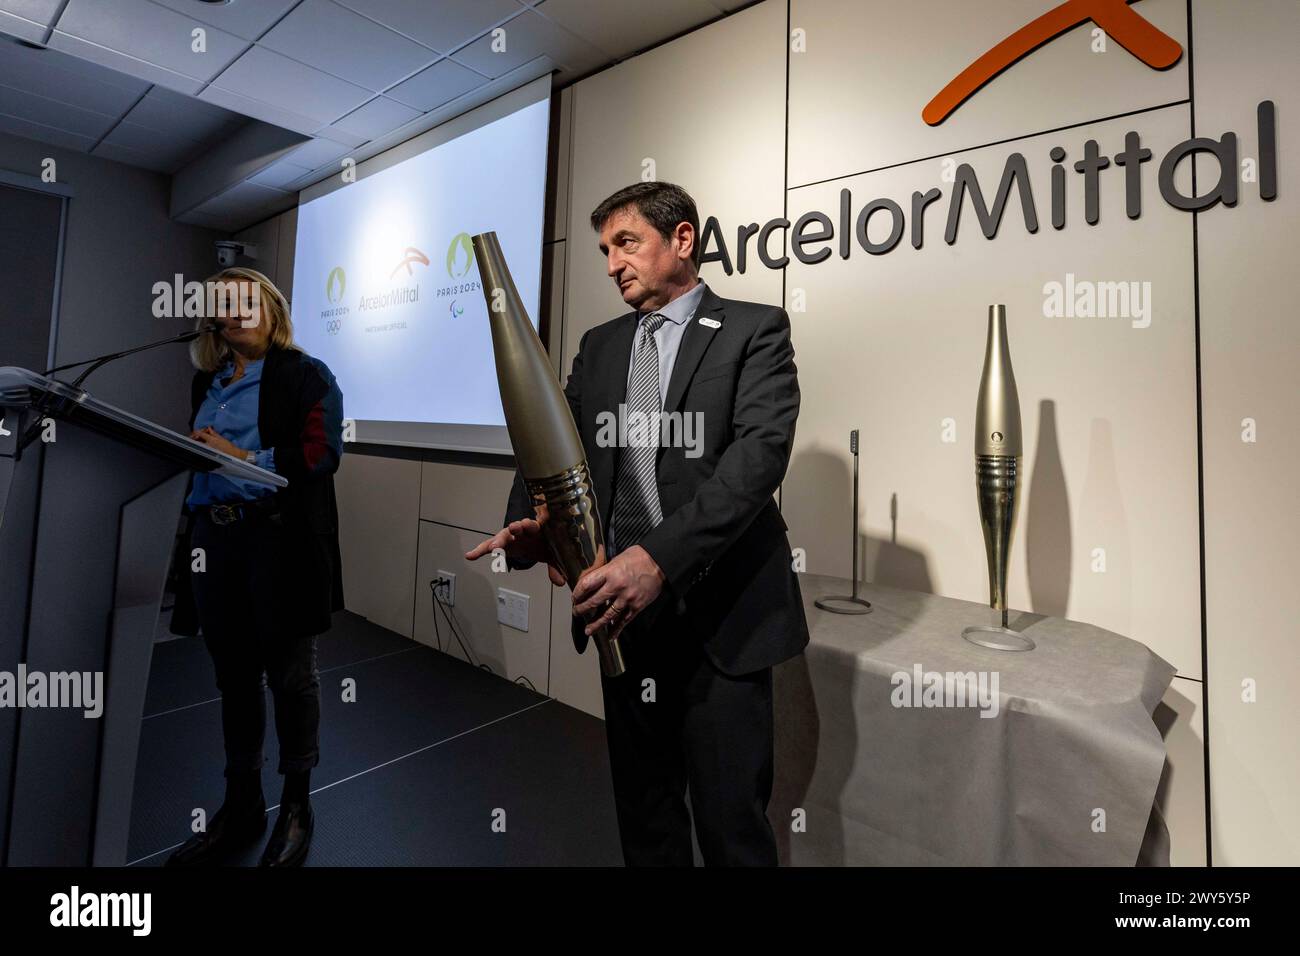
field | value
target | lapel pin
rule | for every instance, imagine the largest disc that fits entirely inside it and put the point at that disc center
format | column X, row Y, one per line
column 711, row 323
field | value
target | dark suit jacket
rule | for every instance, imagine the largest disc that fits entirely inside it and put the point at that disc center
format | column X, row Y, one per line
column 722, row 544
column 300, row 416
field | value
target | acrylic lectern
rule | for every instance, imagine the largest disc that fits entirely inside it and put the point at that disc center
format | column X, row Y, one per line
column 87, row 526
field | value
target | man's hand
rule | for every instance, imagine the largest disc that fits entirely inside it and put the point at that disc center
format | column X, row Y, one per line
column 523, row 540
column 628, row 584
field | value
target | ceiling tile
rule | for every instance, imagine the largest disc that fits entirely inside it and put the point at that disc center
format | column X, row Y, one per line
column 37, row 11
column 125, row 64
column 541, row 66
column 159, row 156
column 259, row 110
column 443, row 81
column 444, row 25
column 315, row 176
column 291, row 86
column 134, row 136
column 68, row 79
column 45, row 134
column 621, row 27
column 279, row 175
column 184, row 116
column 341, row 136
column 528, row 36
column 244, row 19
column 38, row 109
column 376, row 118
column 318, row 152
column 20, row 27
column 152, row 34
column 326, row 36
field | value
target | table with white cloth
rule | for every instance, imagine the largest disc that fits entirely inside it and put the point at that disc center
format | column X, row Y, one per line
column 887, row 754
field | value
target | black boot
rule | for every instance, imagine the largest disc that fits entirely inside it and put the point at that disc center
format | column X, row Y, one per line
column 293, row 828
column 239, row 822
column 291, row 837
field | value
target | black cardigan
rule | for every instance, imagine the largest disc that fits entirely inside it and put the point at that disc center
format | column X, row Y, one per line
column 300, row 416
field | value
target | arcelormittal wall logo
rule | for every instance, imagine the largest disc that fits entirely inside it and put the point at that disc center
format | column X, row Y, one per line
column 1156, row 49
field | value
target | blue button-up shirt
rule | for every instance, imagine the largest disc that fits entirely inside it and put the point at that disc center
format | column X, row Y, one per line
column 231, row 410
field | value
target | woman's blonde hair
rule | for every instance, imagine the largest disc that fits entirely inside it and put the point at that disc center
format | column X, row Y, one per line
column 209, row 353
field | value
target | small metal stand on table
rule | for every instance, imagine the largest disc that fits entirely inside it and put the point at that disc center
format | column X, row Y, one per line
column 849, row 603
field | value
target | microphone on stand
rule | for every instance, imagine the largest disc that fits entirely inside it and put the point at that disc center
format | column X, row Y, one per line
column 94, row 363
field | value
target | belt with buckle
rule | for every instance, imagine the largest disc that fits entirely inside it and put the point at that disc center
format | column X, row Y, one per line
column 225, row 513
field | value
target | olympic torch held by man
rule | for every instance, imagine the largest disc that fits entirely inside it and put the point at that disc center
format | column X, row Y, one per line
column 547, row 448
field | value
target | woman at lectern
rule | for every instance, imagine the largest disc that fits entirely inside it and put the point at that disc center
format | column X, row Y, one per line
column 270, row 573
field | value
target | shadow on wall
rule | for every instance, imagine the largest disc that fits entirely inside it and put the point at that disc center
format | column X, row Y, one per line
column 1166, row 720
column 1104, row 595
column 1048, row 544
column 879, row 561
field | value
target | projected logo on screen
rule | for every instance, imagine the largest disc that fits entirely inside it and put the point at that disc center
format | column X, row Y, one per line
column 460, row 262
column 411, row 258
column 460, row 255
column 335, row 284
column 406, row 331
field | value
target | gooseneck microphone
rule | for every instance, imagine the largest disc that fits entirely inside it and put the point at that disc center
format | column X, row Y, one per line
column 99, row 360
column 43, row 406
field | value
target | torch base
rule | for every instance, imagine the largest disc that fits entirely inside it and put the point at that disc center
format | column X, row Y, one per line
column 611, row 656
column 997, row 638
column 843, row 604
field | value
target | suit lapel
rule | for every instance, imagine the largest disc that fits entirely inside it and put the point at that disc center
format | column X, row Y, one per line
column 612, row 382
column 690, row 350
column 617, row 363
column 611, row 391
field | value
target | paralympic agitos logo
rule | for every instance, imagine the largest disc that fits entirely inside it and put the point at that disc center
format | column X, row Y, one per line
column 1136, row 35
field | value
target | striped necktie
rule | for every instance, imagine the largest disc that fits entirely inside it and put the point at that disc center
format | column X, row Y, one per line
column 636, row 495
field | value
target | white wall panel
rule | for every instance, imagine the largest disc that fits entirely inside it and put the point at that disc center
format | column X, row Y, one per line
column 378, row 502
column 507, row 652
column 1250, row 347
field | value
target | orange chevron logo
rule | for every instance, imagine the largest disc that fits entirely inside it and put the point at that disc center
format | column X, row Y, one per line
column 411, row 256
column 1153, row 47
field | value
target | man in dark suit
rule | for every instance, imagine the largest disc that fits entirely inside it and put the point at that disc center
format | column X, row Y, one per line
column 699, row 583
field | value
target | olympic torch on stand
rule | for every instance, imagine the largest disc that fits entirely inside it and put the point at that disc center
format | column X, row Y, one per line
column 547, row 448
column 998, row 449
